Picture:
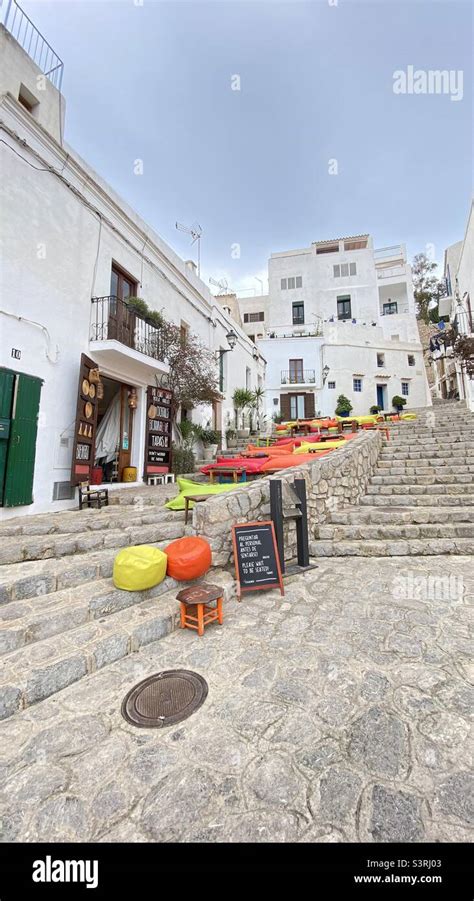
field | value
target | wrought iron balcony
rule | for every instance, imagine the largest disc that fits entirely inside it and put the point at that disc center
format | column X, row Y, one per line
column 297, row 377
column 113, row 320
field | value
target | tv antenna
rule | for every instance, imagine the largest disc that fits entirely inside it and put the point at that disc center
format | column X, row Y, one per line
column 195, row 231
column 222, row 284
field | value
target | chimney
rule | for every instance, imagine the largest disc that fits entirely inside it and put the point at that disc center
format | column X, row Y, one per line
column 190, row 264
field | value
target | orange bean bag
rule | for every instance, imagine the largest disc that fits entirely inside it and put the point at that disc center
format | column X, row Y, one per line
column 188, row 558
column 273, row 450
column 291, row 460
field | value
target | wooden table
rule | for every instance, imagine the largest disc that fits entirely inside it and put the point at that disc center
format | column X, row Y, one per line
column 233, row 471
column 198, row 498
column 301, row 429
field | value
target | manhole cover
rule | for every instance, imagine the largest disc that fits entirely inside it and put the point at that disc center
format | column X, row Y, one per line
column 165, row 698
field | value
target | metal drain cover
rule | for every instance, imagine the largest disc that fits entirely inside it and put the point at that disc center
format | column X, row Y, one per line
column 165, row 698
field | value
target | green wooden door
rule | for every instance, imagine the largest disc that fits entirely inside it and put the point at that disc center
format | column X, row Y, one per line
column 7, row 381
column 18, row 487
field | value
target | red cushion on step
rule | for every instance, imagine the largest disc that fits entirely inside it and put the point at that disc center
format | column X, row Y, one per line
column 188, row 558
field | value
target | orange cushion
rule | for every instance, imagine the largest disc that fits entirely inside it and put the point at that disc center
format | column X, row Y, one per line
column 277, row 450
column 294, row 460
column 188, row 558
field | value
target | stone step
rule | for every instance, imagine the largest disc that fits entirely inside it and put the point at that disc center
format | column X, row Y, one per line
column 418, row 500
column 84, row 521
column 29, row 621
column 431, row 430
column 409, row 547
column 394, row 532
column 416, row 489
column 453, row 454
column 39, row 670
column 433, row 478
column 23, row 548
column 394, row 515
column 427, row 444
column 424, row 467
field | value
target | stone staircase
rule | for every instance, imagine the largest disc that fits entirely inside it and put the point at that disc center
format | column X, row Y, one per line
column 420, row 499
column 61, row 616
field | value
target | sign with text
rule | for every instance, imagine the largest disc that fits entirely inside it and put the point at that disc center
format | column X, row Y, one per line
column 158, row 431
column 256, row 558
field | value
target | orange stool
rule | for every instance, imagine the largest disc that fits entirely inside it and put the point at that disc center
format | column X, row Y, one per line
column 188, row 558
column 195, row 610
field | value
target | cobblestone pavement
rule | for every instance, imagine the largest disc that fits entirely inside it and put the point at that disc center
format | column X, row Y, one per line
column 337, row 713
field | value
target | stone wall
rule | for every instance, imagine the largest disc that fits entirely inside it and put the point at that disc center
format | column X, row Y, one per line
column 332, row 482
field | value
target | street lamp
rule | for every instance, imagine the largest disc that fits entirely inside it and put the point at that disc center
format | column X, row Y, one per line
column 231, row 341
column 325, row 373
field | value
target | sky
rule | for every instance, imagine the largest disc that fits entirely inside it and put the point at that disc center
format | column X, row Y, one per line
column 271, row 124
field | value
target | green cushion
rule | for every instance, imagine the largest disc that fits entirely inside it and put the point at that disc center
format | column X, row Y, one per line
column 186, row 486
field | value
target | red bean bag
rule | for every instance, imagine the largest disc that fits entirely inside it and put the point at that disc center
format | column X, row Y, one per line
column 250, row 465
column 188, row 558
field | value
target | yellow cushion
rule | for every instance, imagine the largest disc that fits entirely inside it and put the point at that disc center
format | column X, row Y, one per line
column 306, row 446
column 139, row 567
column 407, row 416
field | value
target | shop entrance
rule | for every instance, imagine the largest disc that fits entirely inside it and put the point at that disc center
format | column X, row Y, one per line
column 114, row 429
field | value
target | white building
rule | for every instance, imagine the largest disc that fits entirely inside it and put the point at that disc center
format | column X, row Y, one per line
column 451, row 377
column 340, row 319
column 73, row 251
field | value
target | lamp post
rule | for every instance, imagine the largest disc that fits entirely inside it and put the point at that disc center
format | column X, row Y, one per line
column 231, row 341
column 325, row 373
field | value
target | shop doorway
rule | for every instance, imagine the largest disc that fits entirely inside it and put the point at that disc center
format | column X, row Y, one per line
column 113, row 444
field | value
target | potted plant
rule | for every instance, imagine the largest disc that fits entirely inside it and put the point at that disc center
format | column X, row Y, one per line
column 210, row 441
column 231, row 438
column 398, row 402
column 137, row 305
column 375, row 409
column 344, row 406
column 242, row 399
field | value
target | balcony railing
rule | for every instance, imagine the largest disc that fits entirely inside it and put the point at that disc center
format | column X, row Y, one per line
column 32, row 41
column 300, row 377
column 113, row 320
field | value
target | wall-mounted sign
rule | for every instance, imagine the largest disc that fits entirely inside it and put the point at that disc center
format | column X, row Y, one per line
column 158, row 430
column 256, row 559
column 86, row 423
column 16, row 354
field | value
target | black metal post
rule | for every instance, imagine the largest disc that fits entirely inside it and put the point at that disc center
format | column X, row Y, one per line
column 276, row 513
column 302, row 524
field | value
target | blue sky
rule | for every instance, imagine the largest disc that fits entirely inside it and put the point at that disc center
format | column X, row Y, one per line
column 153, row 82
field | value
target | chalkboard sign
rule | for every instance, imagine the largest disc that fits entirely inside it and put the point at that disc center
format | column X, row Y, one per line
column 158, row 431
column 256, row 558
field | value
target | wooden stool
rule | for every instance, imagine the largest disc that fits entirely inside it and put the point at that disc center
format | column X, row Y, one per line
column 195, row 610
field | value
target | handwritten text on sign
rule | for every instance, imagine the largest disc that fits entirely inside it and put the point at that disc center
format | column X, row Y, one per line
column 256, row 556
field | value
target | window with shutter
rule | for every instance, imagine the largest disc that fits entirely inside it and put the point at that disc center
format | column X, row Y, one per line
column 309, row 408
column 285, row 406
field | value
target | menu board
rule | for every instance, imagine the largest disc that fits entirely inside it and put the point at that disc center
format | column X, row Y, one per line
column 256, row 559
column 158, row 431
column 86, row 421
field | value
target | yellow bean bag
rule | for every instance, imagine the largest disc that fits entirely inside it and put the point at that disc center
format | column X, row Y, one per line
column 139, row 567
column 369, row 418
column 187, row 486
column 306, row 446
